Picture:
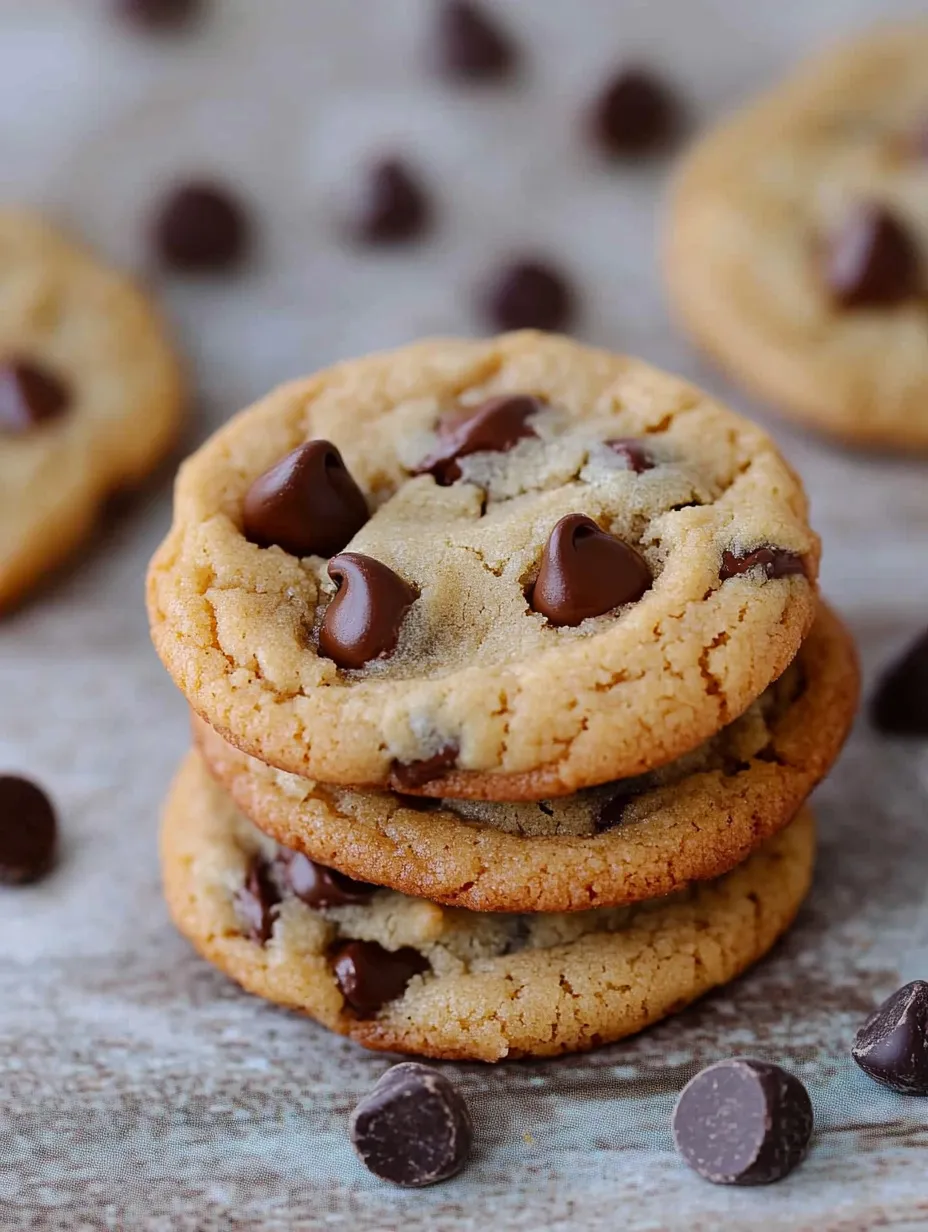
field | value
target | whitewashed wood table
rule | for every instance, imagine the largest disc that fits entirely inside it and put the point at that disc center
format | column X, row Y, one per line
column 140, row 1090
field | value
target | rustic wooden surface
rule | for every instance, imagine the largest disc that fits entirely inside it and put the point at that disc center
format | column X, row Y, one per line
column 138, row 1089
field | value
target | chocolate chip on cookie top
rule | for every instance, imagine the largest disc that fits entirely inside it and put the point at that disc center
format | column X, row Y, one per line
column 30, row 395
column 637, row 456
column 369, row 975
column 363, row 621
column 586, row 572
column 872, row 260
column 308, row 503
column 775, row 563
column 494, row 426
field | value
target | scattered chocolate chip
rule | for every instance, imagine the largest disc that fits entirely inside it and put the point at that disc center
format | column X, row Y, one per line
column 636, row 456
column 370, row 976
column 899, row 705
column 317, row 885
column 256, row 900
column 586, row 572
column 159, row 15
column 528, row 294
column 892, row 1045
column 419, row 804
column 775, row 562
column 28, row 831
column 393, row 205
column 414, row 1127
column 612, row 811
column 493, row 427
column 872, row 260
column 409, row 776
column 201, row 228
column 363, row 620
column 743, row 1122
column 470, row 46
column 308, row 504
column 30, row 395
column 635, row 115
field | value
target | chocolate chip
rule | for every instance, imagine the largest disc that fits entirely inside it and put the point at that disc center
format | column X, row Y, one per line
column 414, row 1127
column 892, row 1045
column 317, row 885
column 528, row 294
column 775, row 562
column 612, row 811
column 410, row 775
column 28, row 831
column 159, row 15
column 256, row 900
column 30, row 395
column 363, row 621
column 370, row 976
column 900, row 703
column 586, row 572
column 393, row 205
column 419, row 804
column 743, row 1122
column 636, row 456
column 470, row 45
column 872, row 260
column 634, row 115
column 493, row 427
column 308, row 504
column 201, row 228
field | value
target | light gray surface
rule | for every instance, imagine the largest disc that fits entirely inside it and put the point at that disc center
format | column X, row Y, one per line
column 138, row 1089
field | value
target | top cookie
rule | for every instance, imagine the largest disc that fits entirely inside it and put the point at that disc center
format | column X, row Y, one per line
column 576, row 583
column 797, row 243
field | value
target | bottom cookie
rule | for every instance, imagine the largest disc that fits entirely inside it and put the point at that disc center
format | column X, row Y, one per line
column 406, row 975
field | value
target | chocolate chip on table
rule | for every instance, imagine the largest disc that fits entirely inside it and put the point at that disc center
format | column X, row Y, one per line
column 30, row 395
column 775, row 562
column 872, row 260
column 369, row 976
column 255, row 901
column 28, row 831
column 493, row 427
column 411, row 775
column 159, row 15
column 363, row 620
column 586, row 572
column 414, row 1127
column 201, row 228
column 635, row 115
column 318, row 886
column 528, row 294
column 308, row 503
column 470, row 45
column 636, row 455
column 393, row 205
column 899, row 705
column 892, row 1045
column 743, row 1122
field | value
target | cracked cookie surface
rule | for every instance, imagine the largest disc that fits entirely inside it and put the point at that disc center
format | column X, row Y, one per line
column 90, row 395
column 465, row 985
column 693, row 820
column 475, row 692
column 774, row 269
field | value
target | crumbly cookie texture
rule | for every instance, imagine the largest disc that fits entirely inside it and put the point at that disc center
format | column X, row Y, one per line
column 496, row 700
column 61, row 310
column 631, row 840
column 751, row 215
column 488, row 986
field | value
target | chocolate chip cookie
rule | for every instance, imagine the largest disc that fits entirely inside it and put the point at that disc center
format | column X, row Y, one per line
column 406, row 975
column 503, row 570
column 90, row 395
column 797, row 243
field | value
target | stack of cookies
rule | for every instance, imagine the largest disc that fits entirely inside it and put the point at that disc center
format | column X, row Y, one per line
column 510, row 681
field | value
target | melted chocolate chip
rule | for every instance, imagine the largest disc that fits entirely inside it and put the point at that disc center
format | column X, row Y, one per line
column 586, row 572
column 743, row 1122
column 28, row 831
column 872, row 260
column 419, row 804
column 393, row 205
column 892, row 1045
column 363, row 621
column 775, row 562
column 201, row 228
column 414, row 1128
column 493, row 427
column 408, row 776
column 470, row 46
column 30, row 395
column 159, row 15
column 317, row 885
column 900, row 703
column 635, row 115
column 612, row 811
column 636, row 456
column 528, row 295
column 369, row 976
column 256, row 900
column 308, row 504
